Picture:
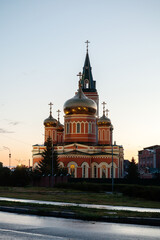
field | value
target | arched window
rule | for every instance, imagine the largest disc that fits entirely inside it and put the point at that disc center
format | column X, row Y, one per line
column 103, row 171
column 86, row 83
column 84, row 171
column 95, row 171
column 78, row 127
column 72, row 170
column 103, row 137
column 89, row 127
column 68, row 128
column 49, row 134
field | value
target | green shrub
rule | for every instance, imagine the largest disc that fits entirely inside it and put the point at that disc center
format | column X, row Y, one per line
column 135, row 191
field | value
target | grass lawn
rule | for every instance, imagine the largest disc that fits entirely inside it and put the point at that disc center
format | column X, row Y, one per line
column 75, row 196
column 79, row 212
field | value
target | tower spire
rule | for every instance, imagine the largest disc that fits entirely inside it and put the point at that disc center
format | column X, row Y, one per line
column 88, row 84
column 50, row 104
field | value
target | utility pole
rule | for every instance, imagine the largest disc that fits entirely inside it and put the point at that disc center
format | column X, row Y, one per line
column 7, row 148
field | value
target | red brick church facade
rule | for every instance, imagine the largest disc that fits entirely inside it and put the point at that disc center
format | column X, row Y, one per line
column 84, row 143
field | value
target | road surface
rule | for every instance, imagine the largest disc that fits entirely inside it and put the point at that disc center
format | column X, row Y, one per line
column 22, row 227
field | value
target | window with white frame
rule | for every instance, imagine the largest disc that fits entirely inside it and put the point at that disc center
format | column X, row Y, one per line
column 89, row 127
column 86, row 83
column 103, row 171
column 78, row 128
column 68, row 128
column 84, row 171
column 95, row 171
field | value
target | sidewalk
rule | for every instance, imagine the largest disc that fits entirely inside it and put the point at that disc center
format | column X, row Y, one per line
column 106, row 207
column 72, row 215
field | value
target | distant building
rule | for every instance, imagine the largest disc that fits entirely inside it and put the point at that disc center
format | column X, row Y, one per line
column 149, row 161
column 84, row 142
column 126, row 166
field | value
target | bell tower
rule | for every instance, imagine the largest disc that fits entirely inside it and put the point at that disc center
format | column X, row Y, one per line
column 105, row 128
column 88, row 84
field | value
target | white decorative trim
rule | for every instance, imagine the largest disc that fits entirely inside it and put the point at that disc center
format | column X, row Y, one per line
column 61, row 164
column 114, row 169
column 85, row 164
column 92, row 169
column 84, row 137
column 101, row 165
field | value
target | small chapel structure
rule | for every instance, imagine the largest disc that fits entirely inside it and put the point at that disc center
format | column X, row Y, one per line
column 84, row 143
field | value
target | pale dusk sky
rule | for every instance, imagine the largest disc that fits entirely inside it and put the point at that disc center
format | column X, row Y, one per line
column 42, row 49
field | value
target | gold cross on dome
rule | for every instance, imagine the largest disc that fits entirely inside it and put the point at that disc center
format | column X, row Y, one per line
column 107, row 111
column 50, row 104
column 103, row 103
column 80, row 75
column 87, row 44
column 58, row 114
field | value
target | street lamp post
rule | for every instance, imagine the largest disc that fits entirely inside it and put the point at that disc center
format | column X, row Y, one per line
column 52, row 158
column 7, row 148
column 112, row 158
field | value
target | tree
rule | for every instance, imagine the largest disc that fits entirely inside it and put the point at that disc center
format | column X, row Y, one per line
column 5, row 175
column 20, row 176
column 133, row 173
column 49, row 157
column 63, row 171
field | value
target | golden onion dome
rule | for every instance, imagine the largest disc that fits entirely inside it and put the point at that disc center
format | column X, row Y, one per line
column 80, row 104
column 104, row 121
column 50, row 122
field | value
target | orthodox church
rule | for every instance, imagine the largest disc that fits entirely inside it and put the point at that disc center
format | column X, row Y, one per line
column 84, row 143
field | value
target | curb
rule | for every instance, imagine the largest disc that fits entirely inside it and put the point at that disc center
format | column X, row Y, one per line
column 67, row 214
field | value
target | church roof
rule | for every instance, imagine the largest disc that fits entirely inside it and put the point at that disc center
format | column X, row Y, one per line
column 77, row 152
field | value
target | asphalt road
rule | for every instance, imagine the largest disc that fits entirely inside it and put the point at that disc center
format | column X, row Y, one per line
column 22, row 227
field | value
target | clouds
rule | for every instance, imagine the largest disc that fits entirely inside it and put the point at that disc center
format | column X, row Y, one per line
column 8, row 124
column 2, row 130
column 14, row 123
column 11, row 122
